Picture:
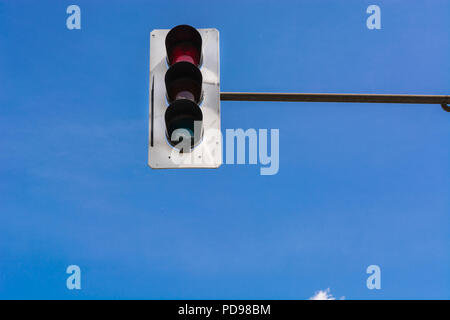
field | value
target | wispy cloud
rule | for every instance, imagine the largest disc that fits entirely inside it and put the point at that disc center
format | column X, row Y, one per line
column 324, row 295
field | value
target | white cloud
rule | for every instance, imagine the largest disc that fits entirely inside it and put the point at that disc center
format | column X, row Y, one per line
column 324, row 295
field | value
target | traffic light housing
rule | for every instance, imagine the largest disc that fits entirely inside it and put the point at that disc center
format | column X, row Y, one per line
column 184, row 106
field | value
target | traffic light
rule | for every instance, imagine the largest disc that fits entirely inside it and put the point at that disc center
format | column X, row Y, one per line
column 184, row 106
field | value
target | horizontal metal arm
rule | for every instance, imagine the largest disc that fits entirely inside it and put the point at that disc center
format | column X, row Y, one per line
column 335, row 97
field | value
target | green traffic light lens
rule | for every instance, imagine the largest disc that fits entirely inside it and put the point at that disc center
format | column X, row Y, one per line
column 184, row 124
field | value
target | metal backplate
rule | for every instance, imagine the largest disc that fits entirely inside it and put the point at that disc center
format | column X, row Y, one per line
column 207, row 154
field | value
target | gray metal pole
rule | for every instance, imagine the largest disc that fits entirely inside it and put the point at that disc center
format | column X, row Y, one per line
column 443, row 100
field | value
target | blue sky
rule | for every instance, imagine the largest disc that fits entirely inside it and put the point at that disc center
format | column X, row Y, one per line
column 358, row 184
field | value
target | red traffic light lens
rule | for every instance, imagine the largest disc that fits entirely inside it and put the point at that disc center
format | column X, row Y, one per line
column 184, row 43
column 184, row 51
